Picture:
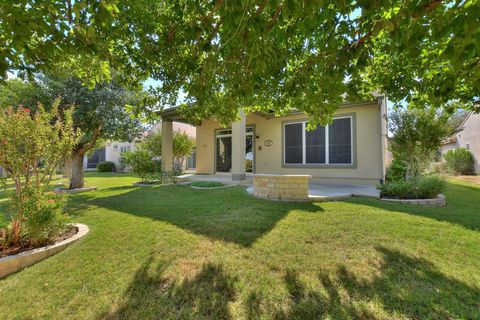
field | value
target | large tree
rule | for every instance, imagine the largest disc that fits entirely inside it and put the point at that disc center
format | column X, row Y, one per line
column 263, row 55
column 100, row 113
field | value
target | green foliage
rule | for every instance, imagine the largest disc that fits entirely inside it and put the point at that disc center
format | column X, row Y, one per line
column 271, row 55
column 106, row 166
column 417, row 134
column 207, row 184
column 425, row 187
column 45, row 218
column 32, row 146
column 141, row 163
column 460, row 161
column 182, row 144
column 396, row 171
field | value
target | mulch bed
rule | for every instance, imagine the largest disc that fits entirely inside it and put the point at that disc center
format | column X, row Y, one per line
column 10, row 251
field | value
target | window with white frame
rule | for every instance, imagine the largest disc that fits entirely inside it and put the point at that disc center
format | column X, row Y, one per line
column 332, row 144
column 125, row 149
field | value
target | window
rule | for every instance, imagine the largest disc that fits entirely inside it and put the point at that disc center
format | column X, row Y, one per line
column 294, row 143
column 332, row 144
column 125, row 149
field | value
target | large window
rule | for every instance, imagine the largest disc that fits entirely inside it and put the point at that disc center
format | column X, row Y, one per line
column 332, row 144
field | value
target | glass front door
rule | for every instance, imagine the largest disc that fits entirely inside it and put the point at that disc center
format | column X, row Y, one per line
column 223, row 151
column 224, row 154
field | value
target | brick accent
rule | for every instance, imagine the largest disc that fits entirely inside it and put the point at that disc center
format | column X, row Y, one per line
column 281, row 187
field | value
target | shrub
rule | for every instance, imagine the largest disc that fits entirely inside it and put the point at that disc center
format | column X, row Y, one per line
column 396, row 171
column 439, row 167
column 460, row 161
column 106, row 166
column 420, row 188
column 141, row 163
column 207, row 184
column 45, row 219
column 32, row 147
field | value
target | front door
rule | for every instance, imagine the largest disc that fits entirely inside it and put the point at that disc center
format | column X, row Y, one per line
column 223, row 150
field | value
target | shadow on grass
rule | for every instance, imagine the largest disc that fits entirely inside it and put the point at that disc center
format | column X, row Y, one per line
column 228, row 214
column 462, row 206
column 403, row 286
column 152, row 296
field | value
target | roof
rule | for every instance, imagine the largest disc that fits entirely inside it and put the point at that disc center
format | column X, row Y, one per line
column 174, row 114
column 453, row 139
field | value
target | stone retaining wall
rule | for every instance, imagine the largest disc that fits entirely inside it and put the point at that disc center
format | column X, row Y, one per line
column 281, row 187
column 439, row 201
column 11, row 264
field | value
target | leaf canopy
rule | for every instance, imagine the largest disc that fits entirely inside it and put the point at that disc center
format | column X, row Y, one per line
column 262, row 55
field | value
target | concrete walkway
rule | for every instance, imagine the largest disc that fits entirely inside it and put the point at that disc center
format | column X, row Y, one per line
column 317, row 192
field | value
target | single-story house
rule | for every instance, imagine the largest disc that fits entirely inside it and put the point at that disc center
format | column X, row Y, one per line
column 351, row 150
column 113, row 150
column 468, row 137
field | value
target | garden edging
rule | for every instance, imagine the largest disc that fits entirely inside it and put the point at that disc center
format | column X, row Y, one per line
column 12, row 264
column 439, row 201
column 77, row 190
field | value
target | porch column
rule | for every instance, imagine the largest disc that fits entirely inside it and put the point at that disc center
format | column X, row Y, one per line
column 238, row 147
column 167, row 145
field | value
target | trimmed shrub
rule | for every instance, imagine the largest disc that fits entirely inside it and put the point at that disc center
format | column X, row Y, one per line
column 207, row 184
column 106, row 166
column 420, row 188
column 439, row 167
column 396, row 171
column 460, row 161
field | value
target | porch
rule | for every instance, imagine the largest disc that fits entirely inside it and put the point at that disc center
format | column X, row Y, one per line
column 316, row 191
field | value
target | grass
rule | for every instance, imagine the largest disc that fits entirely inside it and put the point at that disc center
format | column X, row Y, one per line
column 171, row 252
column 207, row 184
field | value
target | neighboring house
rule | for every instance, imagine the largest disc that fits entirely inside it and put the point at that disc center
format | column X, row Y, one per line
column 468, row 137
column 350, row 150
column 112, row 150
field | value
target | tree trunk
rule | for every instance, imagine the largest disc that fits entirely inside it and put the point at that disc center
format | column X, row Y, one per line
column 76, row 180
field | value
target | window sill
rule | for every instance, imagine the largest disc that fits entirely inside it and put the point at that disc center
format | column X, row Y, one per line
column 321, row 166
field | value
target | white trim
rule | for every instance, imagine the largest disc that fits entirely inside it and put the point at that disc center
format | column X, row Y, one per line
column 304, row 144
column 327, row 144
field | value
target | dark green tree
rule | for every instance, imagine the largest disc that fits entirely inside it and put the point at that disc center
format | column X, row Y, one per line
column 262, row 55
column 100, row 113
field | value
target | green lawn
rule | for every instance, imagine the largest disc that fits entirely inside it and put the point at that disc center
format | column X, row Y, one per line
column 172, row 252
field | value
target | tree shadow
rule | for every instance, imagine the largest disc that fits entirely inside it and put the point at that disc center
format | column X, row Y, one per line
column 152, row 296
column 403, row 287
column 229, row 214
column 462, row 206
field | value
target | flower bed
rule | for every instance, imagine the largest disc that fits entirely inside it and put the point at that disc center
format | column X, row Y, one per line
column 13, row 263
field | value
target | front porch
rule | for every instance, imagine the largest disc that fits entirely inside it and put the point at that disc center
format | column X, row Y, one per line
column 316, row 191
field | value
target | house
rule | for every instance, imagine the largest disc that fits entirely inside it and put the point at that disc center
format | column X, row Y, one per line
column 112, row 150
column 351, row 150
column 468, row 137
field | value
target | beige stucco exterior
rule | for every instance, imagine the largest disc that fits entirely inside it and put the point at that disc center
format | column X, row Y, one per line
column 369, row 139
column 469, row 138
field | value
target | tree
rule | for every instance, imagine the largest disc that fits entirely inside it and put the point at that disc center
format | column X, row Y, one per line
column 417, row 133
column 100, row 113
column 32, row 146
column 261, row 55
column 182, row 145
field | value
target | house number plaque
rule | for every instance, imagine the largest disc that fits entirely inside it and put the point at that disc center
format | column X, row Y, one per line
column 268, row 143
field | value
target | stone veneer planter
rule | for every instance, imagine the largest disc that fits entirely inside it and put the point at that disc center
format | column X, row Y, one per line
column 281, row 187
column 439, row 201
column 11, row 264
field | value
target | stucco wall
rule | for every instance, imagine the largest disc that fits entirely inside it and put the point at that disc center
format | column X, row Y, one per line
column 368, row 139
column 471, row 135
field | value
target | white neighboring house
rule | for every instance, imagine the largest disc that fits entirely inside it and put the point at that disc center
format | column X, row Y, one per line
column 113, row 149
column 468, row 137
